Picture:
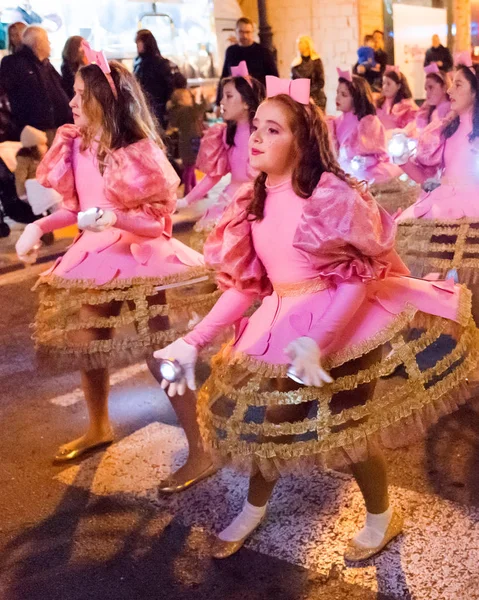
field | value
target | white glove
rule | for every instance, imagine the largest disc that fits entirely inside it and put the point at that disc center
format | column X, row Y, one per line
column 186, row 355
column 28, row 243
column 398, row 149
column 181, row 203
column 95, row 219
column 306, row 361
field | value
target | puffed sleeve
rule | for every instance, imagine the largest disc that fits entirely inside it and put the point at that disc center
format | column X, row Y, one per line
column 404, row 112
column 56, row 169
column 370, row 139
column 430, row 145
column 347, row 235
column 140, row 176
column 229, row 249
column 213, row 153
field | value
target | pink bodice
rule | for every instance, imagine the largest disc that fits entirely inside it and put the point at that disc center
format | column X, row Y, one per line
column 282, row 213
column 89, row 183
column 238, row 155
column 461, row 158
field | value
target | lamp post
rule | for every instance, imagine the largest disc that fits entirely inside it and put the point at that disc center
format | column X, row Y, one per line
column 265, row 31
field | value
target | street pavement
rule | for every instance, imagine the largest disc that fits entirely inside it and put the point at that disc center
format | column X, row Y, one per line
column 96, row 529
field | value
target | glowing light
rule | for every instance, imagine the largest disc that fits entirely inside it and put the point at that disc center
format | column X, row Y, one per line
column 397, row 145
column 358, row 163
column 171, row 370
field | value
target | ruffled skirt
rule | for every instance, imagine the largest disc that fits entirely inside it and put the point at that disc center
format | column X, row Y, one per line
column 386, row 391
column 113, row 300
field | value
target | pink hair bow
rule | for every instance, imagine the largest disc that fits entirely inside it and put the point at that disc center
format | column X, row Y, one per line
column 394, row 68
column 297, row 89
column 432, row 68
column 462, row 58
column 240, row 70
column 344, row 74
column 98, row 58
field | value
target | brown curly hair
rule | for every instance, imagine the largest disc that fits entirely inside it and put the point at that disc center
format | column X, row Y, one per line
column 312, row 153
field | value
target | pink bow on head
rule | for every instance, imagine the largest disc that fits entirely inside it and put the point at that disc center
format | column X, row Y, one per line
column 432, row 68
column 98, row 58
column 344, row 75
column 462, row 58
column 240, row 70
column 297, row 89
column 394, row 68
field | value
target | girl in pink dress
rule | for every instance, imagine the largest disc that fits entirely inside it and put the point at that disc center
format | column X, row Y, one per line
column 224, row 149
column 396, row 108
column 318, row 250
column 360, row 142
column 437, row 104
column 124, row 268
column 438, row 234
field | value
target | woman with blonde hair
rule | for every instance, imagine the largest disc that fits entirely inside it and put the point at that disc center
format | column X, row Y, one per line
column 308, row 65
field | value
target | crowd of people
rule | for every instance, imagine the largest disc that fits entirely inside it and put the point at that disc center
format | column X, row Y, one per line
column 335, row 350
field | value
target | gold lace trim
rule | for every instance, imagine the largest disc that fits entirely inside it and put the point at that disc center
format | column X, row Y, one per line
column 300, row 287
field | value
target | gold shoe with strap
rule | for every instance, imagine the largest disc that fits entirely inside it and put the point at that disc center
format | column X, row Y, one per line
column 222, row 549
column 356, row 553
column 67, row 455
column 171, row 486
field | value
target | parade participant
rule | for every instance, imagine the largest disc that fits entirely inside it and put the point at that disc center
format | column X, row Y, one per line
column 224, row 149
column 335, row 295
column 438, row 233
column 396, row 108
column 360, row 141
column 117, row 183
column 437, row 104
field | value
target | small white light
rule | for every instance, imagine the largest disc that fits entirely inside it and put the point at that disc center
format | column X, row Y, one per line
column 291, row 373
column 397, row 146
column 357, row 163
column 171, row 370
column 412, row 145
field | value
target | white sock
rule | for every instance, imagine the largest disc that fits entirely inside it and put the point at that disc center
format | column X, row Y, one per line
column 373, row 531
column 245, row 523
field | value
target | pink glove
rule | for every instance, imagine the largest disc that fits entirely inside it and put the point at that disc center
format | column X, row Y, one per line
column 186, row 355
column 28, row 243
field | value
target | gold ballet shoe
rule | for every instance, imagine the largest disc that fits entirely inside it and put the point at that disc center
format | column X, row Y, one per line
column 221, row 549
column 171, row 486
column 66, row 455
column 356, row 553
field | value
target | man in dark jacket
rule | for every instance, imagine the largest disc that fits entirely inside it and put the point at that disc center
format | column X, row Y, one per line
column 439, row 54
column 33, row 86
column 259, row 59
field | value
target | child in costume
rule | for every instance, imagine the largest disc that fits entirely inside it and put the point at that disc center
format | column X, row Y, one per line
column 118, row 185
column 360, row 142
column 396, row 108
column 437, row 104
column 438, row 233
column 224, row 149
column 335, row 297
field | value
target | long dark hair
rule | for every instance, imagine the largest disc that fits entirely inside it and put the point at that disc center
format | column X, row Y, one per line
column 404, row 91
column 312, row 149
column 122, row 120
column 150, row 45
column 71, row 55
column 360, row 90
column 444, row 81
column 472, row 76
column 252, row 95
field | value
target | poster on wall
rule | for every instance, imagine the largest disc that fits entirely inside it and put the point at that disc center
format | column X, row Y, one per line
column 414, row 27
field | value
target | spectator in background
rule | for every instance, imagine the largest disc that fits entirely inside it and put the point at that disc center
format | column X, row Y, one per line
column 259, row 60
column 309, row 65
column 15, row 32
column 185, row 115
column 380, row 56
column 73, row 58
column 439, row 54
column 154, row 73
column 33, row 86
column 366, row 53
column 34, row 147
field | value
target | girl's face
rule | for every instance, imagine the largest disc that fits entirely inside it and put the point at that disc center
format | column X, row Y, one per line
column 461, row 95
column 344, row 100
column 76, row 104
column 390, row 87
column 140, row 47
column 435, row 92
column 271, row 145
column 233, row 107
